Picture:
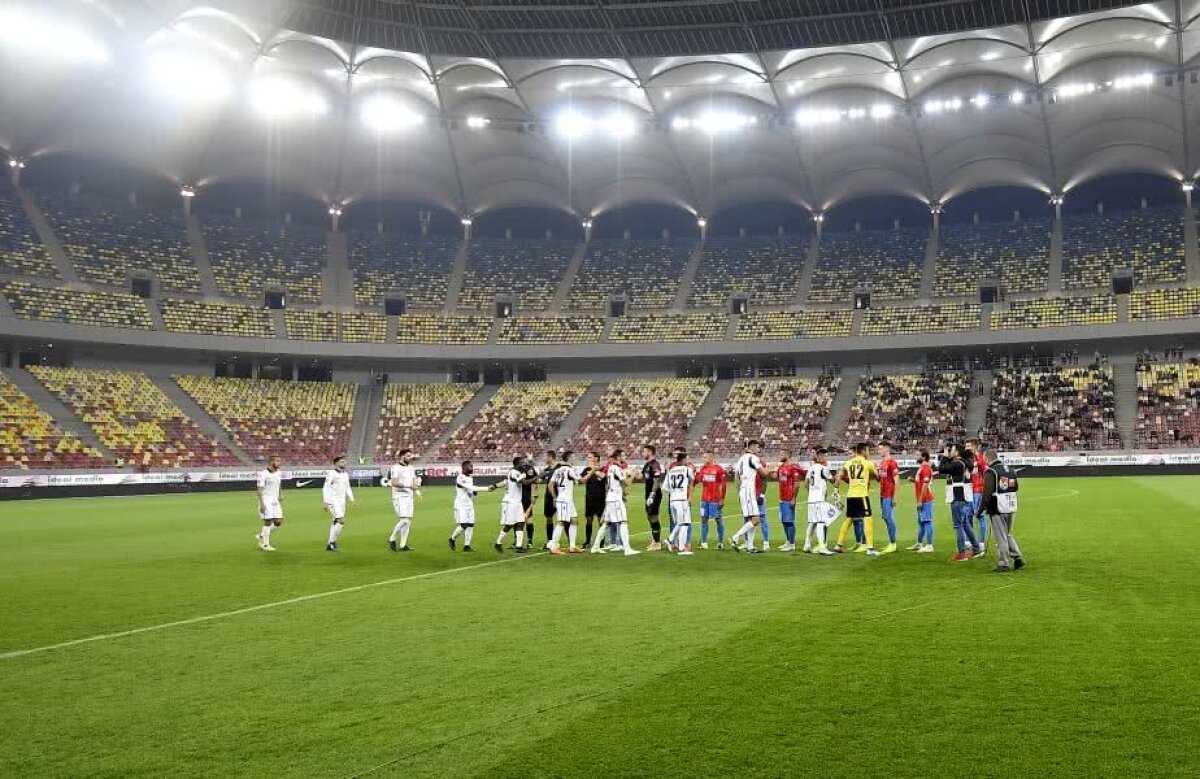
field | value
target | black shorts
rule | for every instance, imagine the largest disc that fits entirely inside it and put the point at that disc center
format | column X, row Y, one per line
column 858, row 508
column 594, row 506
column 549, row 510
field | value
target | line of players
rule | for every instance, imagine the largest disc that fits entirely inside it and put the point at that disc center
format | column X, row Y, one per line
column 606, row 486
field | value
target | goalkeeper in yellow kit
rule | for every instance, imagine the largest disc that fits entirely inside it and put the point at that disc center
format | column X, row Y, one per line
column 858, row 472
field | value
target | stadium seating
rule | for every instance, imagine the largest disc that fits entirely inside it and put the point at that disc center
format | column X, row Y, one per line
column 364, row 327
column 888, row 261
column 673, row 328
column 133, row 418
column 579, row 329
column 788, row 325
column 21, row 252
column 1053, row 409
column 1149, row 241
column 304, row 422
column 1056, row 312
column 788, row 413
column 385, row 262
column 766, row 269
column 30, row 438
column 443, row 329
column 106, row 239
column 1168, row 405
column 77, row 306
column 914, row 411
column 190, row 316
column 249, row 256
column 638, row 411
column 311, row 325
column 413, row 416
column 530, row 271
column 1155, row 305
column 519, row 419
column 1015, row 254
column 946, row 318
column 647, row 272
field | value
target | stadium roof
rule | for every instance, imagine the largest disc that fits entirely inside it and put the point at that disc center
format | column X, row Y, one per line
column 586, row 106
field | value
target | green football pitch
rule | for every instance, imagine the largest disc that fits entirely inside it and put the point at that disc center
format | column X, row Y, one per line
column 147, row 636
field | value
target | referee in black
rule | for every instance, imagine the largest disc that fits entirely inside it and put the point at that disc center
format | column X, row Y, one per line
column 1000, row 503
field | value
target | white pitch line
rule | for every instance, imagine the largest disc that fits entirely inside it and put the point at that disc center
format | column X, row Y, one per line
column 259, row 607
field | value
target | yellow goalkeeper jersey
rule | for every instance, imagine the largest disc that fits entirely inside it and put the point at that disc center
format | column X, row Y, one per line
column 859, row 471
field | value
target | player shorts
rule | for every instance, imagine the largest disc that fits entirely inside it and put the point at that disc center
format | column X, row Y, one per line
column 925, row 512
column 858, row 508
column 270, row 509
column 787, row 513
column 710, row 509
column 614, row 512
column 564, row 511
column 594, row 506
column 549, row 509
column 817, row 514
column 680, row 512
column 511, row 514
column 403, row 504
column 337, row 509
column 749, row 503
column 464, row 515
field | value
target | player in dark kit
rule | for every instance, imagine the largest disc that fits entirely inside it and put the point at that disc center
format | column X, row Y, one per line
column 593, row 481
column 531, row 478
column 652, row 473
column 548, row 507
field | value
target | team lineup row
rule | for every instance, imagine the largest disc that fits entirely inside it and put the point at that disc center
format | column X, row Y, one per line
column 979, row 486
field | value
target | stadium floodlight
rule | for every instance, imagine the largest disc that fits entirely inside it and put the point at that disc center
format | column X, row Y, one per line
column 478, row 122
column 1017, row 97
column 385, row 114
column 1130, row 82
column 187, row 192
column 16, row 163
column 467, row 221
column 812, row 117
column 819, row 217
column 188, row 78
column 714, row 122
column 587, row 224
column 701, row 222
column 1187, row 186
column 883, row 111
column 1056, row 200
column 934, row 106
column 571, row 125
column 981, row 100
column 283, row 98
column 48, row 36
column 335, row 209
column 1068, row 91
column 621, row 125
column 856, row 113
column 681, row 123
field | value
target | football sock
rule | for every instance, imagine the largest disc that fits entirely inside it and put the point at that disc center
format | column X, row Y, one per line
column 335, row 530
column 845, row 529
column 704, row 531
column 266, row 534
column 458, row 531
column 624, row 533
column 396, row 530
column 869, row 531
column 656, row 530
column 890, row 521
column 746, row 528
column 551, row 526
column 520, row 536
column 528, row 532
column 685, row 535
column 555, row 535
column 599, row 534
column 766, row 530
column 821, row 533
column 808, row 536
column 720, row 530
column 468, row 531
column 500, row 538
column 789, row 532
column 572, row 535
column 859, row 536
column 405, row 525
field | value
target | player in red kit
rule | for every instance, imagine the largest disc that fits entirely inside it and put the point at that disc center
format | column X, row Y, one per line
column 789, row 475
column 889, row 479
column 713, row 483
column 979, row 466
column 923, row 481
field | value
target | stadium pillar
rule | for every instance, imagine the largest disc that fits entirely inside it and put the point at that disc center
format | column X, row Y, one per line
column 466, row 224
column 1187, row 188
column 818, row 221
column 935, row 210
column 587, row 231
column 15, row 167
column 335, row 216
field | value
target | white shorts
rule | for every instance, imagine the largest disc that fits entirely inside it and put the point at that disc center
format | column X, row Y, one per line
column 749, row 502
column 270, row 509
column 464, row 515
column 403, row 504
column 511, row 514
column 818, row 513
column 680, row 512
column 337, row 509
column 564, row 511
column 614, row 512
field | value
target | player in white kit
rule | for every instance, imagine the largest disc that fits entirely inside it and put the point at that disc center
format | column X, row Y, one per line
column 747, row 470
column 677, row 483
column 334, row 495
column 270, row 508
column 464, row 505
column 512, row 512
column 617, row 475
column 820, row 512
column 561, row 489
column 406, row 487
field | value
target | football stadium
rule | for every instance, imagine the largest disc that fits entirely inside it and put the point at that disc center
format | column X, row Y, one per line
column 550, row 388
